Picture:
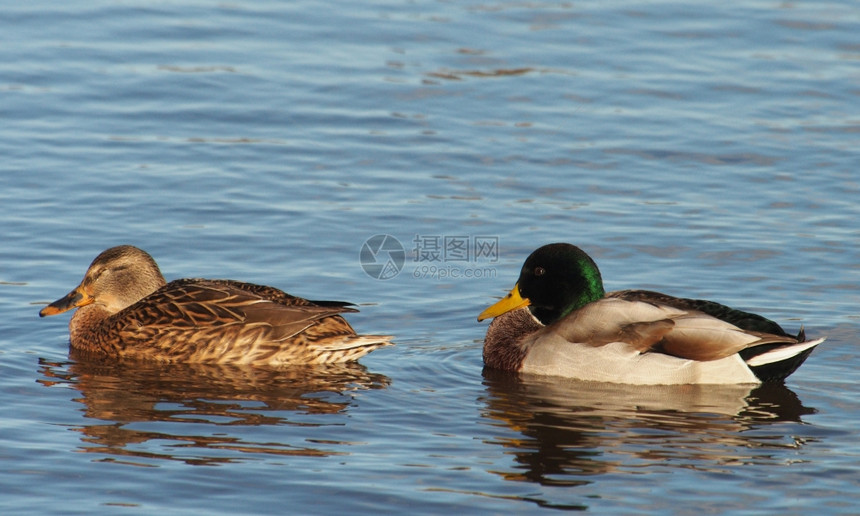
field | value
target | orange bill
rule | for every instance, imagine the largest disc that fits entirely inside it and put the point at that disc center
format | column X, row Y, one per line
column 71, row 300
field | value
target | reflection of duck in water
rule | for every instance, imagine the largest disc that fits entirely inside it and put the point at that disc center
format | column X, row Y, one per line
column 558, row 321
column 201, row 412
column 124, row 308
column 564, row 431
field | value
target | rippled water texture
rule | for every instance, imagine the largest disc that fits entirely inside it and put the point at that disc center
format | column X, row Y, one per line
column 702, row 150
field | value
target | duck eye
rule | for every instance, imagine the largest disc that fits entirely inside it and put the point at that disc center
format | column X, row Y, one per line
column 540, row 271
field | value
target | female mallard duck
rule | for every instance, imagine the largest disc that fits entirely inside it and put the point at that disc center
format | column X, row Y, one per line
column 558, row 321
column 125, row 309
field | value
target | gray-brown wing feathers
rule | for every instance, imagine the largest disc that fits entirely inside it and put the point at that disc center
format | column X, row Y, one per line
column 648, row 326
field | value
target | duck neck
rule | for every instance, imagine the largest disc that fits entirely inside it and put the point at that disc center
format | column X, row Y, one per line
column 570, row 295
column 505, row 344
column 83, row 324
column 592, row 292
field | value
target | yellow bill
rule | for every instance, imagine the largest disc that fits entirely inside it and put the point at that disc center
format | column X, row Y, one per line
column 512, row 301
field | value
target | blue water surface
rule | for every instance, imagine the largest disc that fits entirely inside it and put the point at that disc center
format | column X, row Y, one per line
column 703, row 150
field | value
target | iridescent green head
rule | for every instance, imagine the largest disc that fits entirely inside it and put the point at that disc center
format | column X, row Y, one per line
column 555, row 280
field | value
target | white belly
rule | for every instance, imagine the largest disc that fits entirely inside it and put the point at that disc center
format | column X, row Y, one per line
column 616, row 362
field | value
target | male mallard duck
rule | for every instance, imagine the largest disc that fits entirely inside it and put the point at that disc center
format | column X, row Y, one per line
column 559, row 321
column 125, row 308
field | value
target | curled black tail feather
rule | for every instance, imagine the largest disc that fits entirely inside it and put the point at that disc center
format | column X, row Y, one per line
column 779, row 371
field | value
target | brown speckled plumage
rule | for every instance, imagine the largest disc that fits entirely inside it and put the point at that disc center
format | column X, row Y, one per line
column 125, row 309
